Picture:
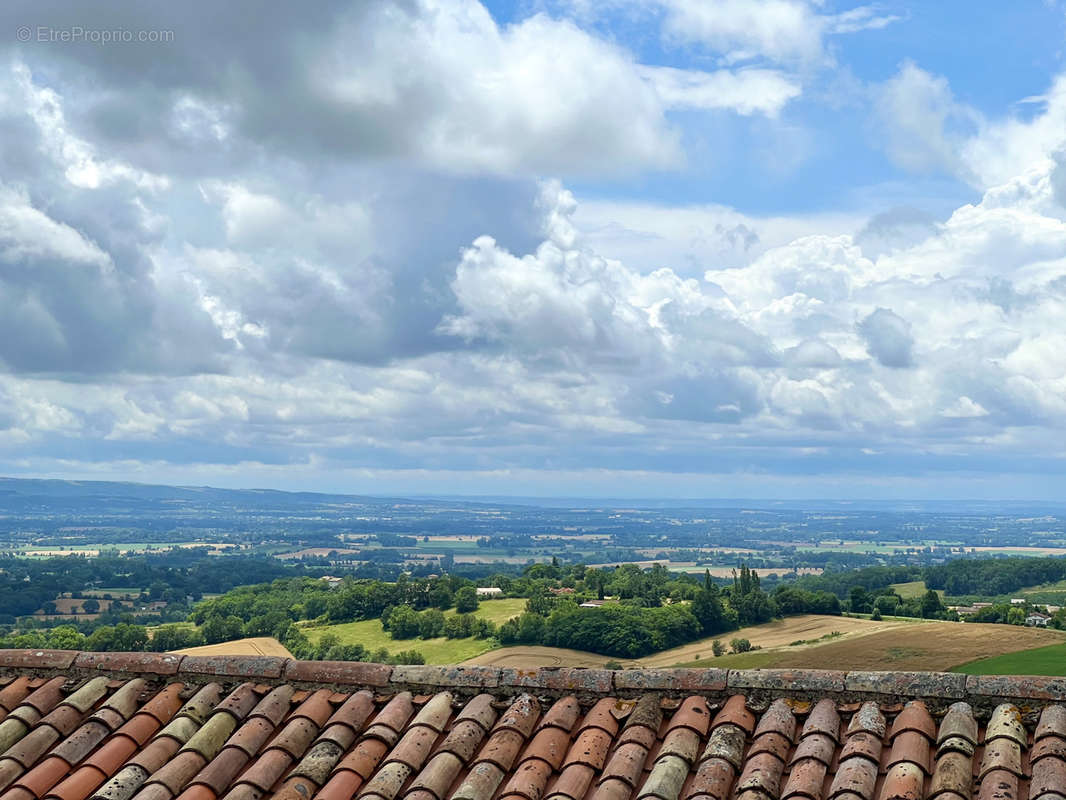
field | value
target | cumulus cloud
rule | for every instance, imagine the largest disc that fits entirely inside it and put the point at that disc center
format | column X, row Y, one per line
column 779, row 30
column 888, row 338
column 438, row 83
column 331, row 253
column 925, row 128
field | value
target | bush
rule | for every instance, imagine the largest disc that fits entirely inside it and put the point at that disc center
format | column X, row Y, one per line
column 404, row 622
column 613, row 665
column 466, row 600
column 717, row 647
column 740, row 645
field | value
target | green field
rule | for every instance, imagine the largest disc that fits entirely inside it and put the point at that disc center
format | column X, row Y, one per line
column 372, row 636
column 913, row 589
column 1049, row 660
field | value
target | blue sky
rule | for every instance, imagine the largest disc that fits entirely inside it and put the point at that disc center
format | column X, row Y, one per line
column 759, row 248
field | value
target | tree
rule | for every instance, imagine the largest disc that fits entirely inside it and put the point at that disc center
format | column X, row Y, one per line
column 531, row 628
column 404, row 622
column 431, row 623
column 65, row 637
column 708, row 609
column 222, row 629
column 717, row 648
column 931, row 605
column 90, row 606
column 740, row 645
column 466, row 600
column 440, row 596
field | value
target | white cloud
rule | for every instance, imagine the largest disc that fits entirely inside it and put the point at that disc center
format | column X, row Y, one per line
column 925, row 129
column 777, row 30
column 751, row 91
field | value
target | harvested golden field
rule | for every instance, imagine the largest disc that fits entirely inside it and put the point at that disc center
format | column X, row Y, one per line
column 893, row 644
column 1022, row 551
column 779, row 633
column 255, row 646
column 931, row 646
column 523, row 656
column 770, row 635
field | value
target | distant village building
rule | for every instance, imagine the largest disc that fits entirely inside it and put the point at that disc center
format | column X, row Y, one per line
column 1017, row 601
column 561, row 590
column 592, row 604
column 1037, row 620
column 489, row 591
column 332, row 581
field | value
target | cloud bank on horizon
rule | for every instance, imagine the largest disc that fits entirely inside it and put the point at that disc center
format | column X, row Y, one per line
column 641, row 247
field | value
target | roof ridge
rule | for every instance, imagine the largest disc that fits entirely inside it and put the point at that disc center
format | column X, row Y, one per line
column 847, row 686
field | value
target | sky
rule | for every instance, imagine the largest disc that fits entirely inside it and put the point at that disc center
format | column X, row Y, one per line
column 622, row 248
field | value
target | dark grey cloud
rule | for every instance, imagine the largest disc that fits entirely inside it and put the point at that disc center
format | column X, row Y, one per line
column 888, row 338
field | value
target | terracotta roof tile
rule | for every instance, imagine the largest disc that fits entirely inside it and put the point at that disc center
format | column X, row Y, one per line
column 736, row 712
column 363, row 760
column 463, row 739
column 1048, row 746
column 591, row 746
column 714, row 779
column 913, row 717
column 1006, row 722
column 763, row 772
column 45, row 698
column 868, row 718
column 80, row 743
column 1049, row 777
column 414, row 747
column 999, row 755
column 453, row 734
column 502, row 748
column 14, row 693
column 573, row 782
column 856, row 776
column 953, row 774
column 773, row 743
column 817, row 746
column 563, row 713
column 521, row 715
column 904, row 781
column 438, row 775
column 998, row 785
column 530, row 779
column 549, row 745
column 480, row 782
column 805, row 780
column 958, row 722
column 778, row 718
column 910, row 747
column 1052, row 722
column 666, row 778
column 726, row 742
column 862, row 743
column 266, row 770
